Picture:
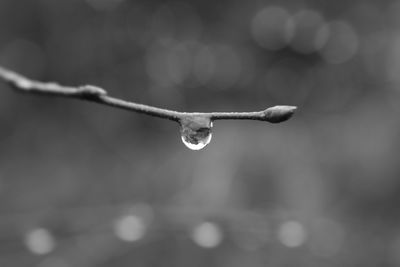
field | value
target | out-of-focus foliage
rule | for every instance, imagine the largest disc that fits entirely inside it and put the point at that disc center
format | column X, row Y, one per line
column 86, row 185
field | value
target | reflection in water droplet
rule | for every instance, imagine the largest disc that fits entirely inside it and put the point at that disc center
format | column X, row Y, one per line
column 196, row 142
column 196, row 133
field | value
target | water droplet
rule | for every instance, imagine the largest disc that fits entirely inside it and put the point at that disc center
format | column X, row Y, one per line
column 196, row 132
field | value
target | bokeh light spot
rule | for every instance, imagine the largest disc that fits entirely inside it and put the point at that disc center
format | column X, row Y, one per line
column 306, row 24
column 292, row 234
column 207, row 235
column 130, row 228
column 338, row 41
column 40, row 241
column 272, row 28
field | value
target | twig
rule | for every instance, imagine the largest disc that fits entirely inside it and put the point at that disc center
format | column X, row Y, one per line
column 96, row 94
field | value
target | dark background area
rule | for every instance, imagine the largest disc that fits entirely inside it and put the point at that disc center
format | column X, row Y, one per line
column 88, row 185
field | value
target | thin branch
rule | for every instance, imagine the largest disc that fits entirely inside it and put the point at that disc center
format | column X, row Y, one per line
column 99, row 95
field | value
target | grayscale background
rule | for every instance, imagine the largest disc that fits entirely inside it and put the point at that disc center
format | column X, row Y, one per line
column 85, row 185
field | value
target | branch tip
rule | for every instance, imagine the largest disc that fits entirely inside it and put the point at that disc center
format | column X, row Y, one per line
column 278, row 114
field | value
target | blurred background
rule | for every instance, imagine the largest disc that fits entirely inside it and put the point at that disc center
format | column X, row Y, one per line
column 87, row 185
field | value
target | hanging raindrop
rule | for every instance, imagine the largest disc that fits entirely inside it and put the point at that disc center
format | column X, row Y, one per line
column 196, row 132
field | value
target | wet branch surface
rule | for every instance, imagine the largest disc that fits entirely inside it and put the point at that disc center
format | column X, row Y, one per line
column 98, row 95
